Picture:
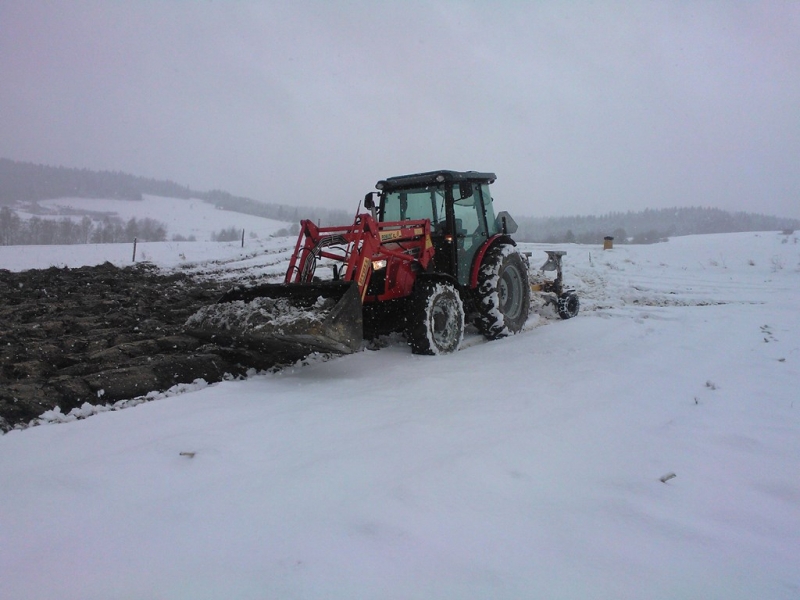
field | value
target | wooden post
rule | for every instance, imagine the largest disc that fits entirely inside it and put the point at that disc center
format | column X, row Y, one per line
column 242, row 238
column 134, row 250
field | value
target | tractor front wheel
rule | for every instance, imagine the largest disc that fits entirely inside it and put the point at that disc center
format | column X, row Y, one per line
column 436, row 319
column 504, row 293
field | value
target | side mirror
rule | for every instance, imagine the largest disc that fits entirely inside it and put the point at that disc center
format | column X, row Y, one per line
column 466, row 189
column 505, row 223
column 369, row 203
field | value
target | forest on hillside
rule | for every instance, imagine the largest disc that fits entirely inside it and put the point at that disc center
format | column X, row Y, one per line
column 647, row 226
column 28, row 182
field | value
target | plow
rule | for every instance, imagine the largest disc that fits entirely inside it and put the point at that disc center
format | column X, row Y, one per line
column 565, row 301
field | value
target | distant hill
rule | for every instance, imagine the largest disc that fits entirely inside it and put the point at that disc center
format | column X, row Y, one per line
column 646, row 226
column 20, row 181
column 28, row 182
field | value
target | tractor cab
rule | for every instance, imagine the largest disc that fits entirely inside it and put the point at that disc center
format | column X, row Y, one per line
column 459, row 207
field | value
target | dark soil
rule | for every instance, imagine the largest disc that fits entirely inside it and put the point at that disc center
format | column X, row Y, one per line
column 102, row 334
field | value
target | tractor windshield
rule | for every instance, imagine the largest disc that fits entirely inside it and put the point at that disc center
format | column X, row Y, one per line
column 412, row 204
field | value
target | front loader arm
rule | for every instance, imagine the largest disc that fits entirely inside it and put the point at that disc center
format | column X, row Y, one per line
column 359, row 245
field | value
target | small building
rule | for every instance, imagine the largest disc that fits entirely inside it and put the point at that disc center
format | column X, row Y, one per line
column 608, row 242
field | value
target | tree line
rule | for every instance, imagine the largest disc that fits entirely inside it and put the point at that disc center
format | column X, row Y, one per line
column 277, row 212
column 645, row 227
column 37, row 231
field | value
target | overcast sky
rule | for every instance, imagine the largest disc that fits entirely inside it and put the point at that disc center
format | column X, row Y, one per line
column 579, row 107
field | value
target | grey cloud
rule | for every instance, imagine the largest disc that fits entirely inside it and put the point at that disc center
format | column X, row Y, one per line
column 579, row 107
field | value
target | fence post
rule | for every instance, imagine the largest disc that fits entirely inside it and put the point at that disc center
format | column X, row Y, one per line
column 134, row 250
column 242, row 238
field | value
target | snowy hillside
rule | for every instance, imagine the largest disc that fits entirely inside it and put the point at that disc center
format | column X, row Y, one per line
column 180, row 216
column 647, row 449
column 185, row 218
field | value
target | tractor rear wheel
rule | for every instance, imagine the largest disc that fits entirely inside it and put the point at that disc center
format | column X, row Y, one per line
column 504, row 294
column 436, row 319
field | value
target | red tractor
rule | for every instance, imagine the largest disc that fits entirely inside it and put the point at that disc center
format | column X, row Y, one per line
column 428, row 257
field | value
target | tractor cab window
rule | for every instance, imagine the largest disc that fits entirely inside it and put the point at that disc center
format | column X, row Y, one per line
column 470, row 226
column 406, row 205
column 488, row 209
column 467, row 217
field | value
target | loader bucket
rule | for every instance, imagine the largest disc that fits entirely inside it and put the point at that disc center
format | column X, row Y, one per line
column 288, row 321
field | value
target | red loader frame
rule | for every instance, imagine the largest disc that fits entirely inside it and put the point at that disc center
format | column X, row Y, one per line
column 396, row 249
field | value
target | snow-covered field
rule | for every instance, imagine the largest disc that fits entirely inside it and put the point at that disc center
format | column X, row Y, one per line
column 218, row 259
column 530, row 467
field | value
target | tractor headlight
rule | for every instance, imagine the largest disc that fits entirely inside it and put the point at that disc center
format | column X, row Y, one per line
column 377, row 265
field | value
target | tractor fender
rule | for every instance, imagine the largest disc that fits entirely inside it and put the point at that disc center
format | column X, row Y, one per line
column 441, row 277
column 499, row 238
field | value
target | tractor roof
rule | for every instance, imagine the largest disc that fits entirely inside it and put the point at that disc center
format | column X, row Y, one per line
column 434, row 178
